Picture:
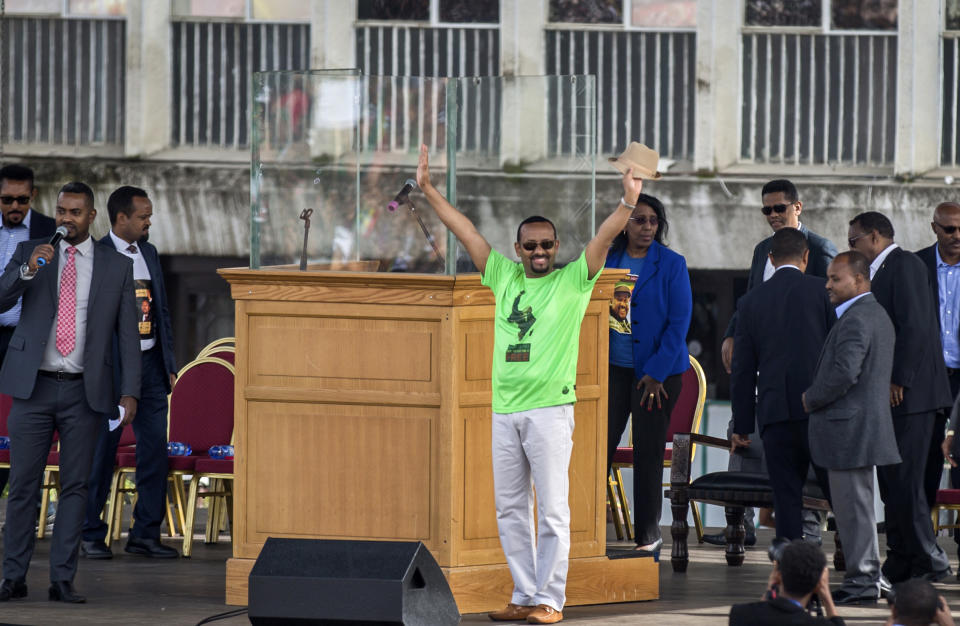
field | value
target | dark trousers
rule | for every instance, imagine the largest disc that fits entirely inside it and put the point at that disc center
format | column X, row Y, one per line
column 150, row 428
column 649, row 433
column 60, row 406
column 5, row 333
column 912, row 548
column 955, row 471
column 787, row 449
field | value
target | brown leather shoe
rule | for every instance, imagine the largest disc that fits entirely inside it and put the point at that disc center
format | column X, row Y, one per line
column 544, row 614
column 511, row 613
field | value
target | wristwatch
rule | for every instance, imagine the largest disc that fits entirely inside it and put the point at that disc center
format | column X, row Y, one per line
column 950, row 433
column 25, row 272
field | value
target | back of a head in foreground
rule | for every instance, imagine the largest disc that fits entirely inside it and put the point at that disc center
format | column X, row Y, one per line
column 915, row 602
column 801, row 566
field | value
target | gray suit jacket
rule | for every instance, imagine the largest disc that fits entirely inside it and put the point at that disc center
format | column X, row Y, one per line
column 849, row 400
column 111, row 308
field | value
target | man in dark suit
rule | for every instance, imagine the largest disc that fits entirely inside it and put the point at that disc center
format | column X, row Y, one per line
column 59, row 371
column 919, row 389
column 799, row 575
column 130, row 212
column 20, row 223
column 851, row 431
column 783, row 324
column 781, row 208
column 943, row 267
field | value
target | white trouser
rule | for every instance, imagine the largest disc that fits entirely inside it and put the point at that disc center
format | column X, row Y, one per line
column 535, row 443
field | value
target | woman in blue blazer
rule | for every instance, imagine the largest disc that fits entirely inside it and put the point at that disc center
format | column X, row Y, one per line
column 648, row 354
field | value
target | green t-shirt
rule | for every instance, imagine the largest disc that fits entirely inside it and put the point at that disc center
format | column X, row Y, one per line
column 536, row 333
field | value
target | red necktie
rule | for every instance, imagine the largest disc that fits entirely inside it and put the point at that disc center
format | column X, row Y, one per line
column 67, row 313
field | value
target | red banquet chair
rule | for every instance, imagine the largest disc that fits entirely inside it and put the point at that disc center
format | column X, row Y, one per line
column 947, row 500
column 686, row 417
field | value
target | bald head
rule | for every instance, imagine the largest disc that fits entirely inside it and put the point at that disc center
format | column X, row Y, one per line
column 946, row 226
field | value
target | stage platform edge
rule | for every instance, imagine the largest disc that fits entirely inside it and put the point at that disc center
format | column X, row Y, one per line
column 481, row 588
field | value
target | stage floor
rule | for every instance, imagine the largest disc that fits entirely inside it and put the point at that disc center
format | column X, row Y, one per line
column 129, row 589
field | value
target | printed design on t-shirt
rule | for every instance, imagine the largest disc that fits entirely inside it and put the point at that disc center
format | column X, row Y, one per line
column 620, row 305
column 524, row 319
column 145, row 308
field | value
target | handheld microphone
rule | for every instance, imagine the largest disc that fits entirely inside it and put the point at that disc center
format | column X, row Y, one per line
column 60, row 233
column 408, row 186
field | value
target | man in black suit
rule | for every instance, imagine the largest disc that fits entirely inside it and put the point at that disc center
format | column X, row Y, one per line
column 919, row 389
column 59, row 371
column 799, row 575
column 20, row 223
column 130, row 212
column 783, row 324
column 943, row 267
column 781, row 208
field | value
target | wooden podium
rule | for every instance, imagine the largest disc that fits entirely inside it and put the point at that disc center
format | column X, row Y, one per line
column 363, row 412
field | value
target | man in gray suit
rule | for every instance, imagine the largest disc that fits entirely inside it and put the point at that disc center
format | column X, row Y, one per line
column 58, row 370
column 851, row 428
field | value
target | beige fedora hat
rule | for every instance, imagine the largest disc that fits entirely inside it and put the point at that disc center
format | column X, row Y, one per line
column 642, row 159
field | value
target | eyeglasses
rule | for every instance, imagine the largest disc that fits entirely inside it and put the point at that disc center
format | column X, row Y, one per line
column 643, row 220
column 852, row 240
column 11, row 199
column 546, row 244
column 947, row 229
column 776, row 208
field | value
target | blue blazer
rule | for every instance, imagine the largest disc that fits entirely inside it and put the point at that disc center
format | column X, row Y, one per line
column 161, row 312
column 660, row 311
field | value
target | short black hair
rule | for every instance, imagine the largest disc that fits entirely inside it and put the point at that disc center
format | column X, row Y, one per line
column 781, row 184
column 533, row 219
column 801, row 566
column 873, row 221
column 856, row 261
column 620, row 241
column 788, row 244
column 78, row 187
column 121, row 201
column 915, row 602
column 15, row 171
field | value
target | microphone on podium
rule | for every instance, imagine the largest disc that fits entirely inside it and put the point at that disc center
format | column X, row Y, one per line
column 401, row 197
column 59, row 234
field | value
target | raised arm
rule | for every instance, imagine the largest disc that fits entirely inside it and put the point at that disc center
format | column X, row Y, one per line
column 477, row 247
column 598, row 247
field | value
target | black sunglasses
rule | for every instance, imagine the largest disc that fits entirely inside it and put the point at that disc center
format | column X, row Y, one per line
column 947, row 229
column 643, row 219
column 778, row 208
column 19, row 199
column 530, row 246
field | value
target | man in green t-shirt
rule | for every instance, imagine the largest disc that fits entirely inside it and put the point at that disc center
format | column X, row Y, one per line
column 536, row 342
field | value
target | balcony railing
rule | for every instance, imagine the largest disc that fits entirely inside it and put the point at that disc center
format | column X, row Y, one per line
column 63, row 81
column 211, row 68
column 812, row 99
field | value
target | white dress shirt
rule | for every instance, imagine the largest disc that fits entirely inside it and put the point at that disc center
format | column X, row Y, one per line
column 877, row 262
column 140, row 272
column 53, row 361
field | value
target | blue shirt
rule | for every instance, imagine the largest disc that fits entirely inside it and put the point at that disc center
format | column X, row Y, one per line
column 10, row 236
column 948, row 285
column 621, row 341
column 842, row 308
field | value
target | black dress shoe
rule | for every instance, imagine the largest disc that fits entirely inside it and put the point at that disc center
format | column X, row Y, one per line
column 886, row 588
column 842, row 597
column 95, row 550
column 151, row 548
column 63, row 591
column 935, row 577
column 652, row 551
column 719, row 539
column 12, row 589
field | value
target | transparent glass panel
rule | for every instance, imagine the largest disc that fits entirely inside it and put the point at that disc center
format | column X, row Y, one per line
column 281, row 10
column 97, row 7
column 783, row 13
column 587, row 11
column 458, row 11
column 33, row 6
column 664, row 13
column 210, row 8
column 412, row 10
column 343, row 145
column 953, row 14
column 865, row 14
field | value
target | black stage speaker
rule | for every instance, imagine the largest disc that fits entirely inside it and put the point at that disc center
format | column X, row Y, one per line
column 320, row 581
